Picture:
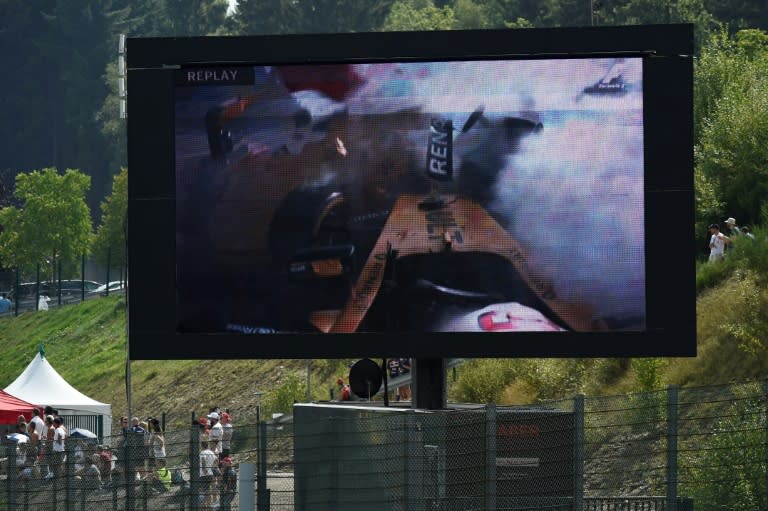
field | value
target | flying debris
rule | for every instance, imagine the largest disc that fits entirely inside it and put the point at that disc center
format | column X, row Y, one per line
column 612, row 83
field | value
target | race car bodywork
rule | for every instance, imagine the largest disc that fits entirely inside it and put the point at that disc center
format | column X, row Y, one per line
column 424, row 260
column 438, row 255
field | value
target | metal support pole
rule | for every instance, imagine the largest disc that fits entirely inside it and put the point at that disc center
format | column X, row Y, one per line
column 672, row 391
column 58, row 282
column 385, row 372
column 37, row 287
column 132, row 442
column 429, row 384
column 490, row 456
column 578, row 452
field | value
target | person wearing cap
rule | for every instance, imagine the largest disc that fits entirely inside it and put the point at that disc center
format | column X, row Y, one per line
column 746, row 233
column 216, row 434
column 733, row 229
column 345, row 393
column 228, row 484
column 717, row 243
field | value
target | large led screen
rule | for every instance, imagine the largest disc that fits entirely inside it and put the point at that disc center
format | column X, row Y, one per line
column 396, row 204
column 490, row 196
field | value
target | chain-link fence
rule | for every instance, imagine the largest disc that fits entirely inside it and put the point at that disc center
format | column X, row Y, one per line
column 48, row 287
column 675, row 449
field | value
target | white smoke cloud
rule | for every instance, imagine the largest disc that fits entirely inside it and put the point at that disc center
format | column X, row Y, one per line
column 573, row 196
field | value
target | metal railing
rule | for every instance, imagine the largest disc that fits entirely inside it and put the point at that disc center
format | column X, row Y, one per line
column 676, row 449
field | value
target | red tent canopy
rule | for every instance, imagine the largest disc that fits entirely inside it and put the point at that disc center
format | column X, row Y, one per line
column 11, row 407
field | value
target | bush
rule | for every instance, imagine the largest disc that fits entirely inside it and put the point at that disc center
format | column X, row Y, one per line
column 708, row 275
column 728, row 471
column 281, row 400
column 483, row 380
column 745, row 253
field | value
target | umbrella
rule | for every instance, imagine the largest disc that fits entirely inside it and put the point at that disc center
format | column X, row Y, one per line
column 82, row 433
column 18, row 438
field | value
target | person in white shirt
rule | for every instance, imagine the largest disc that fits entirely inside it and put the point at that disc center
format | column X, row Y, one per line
column 717, row 243
column 226, row 440
column 208, row 465
column 216, row 434
column 59, row 436
column 36, row 423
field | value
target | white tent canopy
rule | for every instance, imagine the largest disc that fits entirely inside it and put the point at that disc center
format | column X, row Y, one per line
column 40, row 383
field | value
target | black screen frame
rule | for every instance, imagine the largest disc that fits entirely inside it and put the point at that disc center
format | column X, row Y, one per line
column 670, row 270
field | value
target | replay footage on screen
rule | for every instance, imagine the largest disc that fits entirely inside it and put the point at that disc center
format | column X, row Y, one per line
column 408, row 197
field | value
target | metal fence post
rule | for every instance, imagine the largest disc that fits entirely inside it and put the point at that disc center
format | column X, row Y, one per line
column 246, row 476
column 58, row 282
column 410, row 421
column 194, row 465
column 109, row 263
column 578, row 452
column 490, row 456
column 262, row 501
column 37, row 287
column 16, row 295
column 82, row 278
column 11, row 480
column 672, row 402
column 69, row 462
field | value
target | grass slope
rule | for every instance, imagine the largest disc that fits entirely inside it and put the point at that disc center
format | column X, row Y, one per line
column 86, row 344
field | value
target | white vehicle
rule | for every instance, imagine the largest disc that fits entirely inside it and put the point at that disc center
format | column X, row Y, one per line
column 113, row 286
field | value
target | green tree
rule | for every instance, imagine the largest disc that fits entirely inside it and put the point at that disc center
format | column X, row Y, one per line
column 256, row 17
column 113, row 127
column 739, row 14
column 308, row 17
column 730, row 95
column 111, row 236
column 292, row 390
column 507, row 13
column 732, row 149
column 422, row 15
column 472, row 15
column 193, row 17
column 567, row 13
column 51, row 227
column 483, row 380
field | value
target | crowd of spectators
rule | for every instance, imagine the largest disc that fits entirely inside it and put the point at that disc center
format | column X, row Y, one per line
column 39, row 445
column 217, row 478
column 137, row 455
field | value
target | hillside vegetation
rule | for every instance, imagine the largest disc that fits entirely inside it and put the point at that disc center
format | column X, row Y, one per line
column 86, row 344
